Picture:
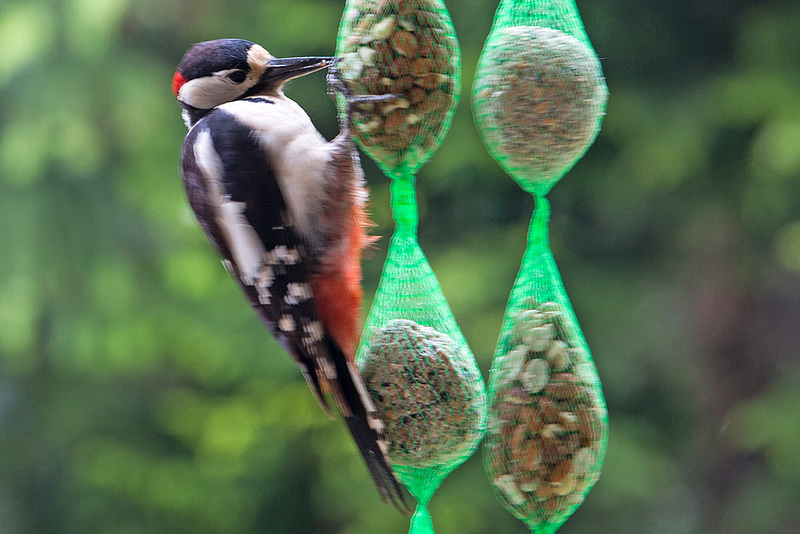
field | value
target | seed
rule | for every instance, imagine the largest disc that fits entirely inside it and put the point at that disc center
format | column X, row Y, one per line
column 352, row 65
column 557, row 355
column 509, row 488
column 517, row 438
column 406, row 24
column 404, row 43
column 383, row 29
column 412, row 118
column 390, row 106
column 367, row 55
column 364, row 24
column 536, row 375
column 431, row 80
column 531, row 455
column 528, row 482
column 566, row 486
column 421, row 65
column 561, row 470
column 569, row 421
column 514, row 362
column 371, row 126
column 388, row 84
column 583, row 461
column 538, row 338
column 545, row 491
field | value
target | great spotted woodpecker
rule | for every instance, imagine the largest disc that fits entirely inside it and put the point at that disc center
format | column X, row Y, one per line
column 285, row 209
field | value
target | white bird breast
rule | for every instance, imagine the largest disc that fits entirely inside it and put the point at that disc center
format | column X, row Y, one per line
column 298, row 152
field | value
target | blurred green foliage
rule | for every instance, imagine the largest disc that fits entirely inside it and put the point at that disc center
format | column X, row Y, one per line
column 139, row 394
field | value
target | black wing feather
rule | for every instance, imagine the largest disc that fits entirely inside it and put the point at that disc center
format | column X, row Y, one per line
column 248, row 178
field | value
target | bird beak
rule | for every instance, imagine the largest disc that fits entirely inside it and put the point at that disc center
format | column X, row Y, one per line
column 281, row 70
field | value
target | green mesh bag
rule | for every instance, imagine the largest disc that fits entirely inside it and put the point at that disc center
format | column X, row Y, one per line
column 548, row 424
column 418, row 367
column 415, row 361
column 539, row 93
column 406, row 48
column 538, row 100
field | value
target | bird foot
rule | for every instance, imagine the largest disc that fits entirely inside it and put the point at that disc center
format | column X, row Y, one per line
column 337, row 84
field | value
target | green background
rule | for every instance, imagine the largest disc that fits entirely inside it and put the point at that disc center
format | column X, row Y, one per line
column 139, row 394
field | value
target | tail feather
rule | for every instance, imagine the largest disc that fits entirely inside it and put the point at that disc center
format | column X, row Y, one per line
column 365, row 426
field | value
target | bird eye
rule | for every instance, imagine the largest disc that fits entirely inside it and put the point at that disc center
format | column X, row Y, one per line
column 237, row 76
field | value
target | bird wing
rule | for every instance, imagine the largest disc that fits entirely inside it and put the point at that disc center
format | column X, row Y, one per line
column 237, row 199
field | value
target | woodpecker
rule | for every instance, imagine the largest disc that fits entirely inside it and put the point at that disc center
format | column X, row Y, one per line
column 286, row 210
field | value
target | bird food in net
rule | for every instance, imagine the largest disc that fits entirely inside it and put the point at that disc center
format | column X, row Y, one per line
column 539, row 93
column 424, row 392
column 548, row 423
column 538, row 100
column 406, row 48
column 418, row 367
column 416, row 363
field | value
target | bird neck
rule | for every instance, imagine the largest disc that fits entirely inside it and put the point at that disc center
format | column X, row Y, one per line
column 191, row 115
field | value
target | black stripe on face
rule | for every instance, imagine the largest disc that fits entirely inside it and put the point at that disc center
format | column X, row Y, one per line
column 260, row 99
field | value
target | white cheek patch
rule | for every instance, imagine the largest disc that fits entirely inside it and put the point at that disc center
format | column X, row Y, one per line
column 209, row 92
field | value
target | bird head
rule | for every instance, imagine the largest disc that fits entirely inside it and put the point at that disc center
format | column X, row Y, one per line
column 215, row 72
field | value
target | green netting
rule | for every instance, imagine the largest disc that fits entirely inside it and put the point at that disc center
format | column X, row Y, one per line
column 538, row 99
column 548, row 424
column 407, row 48
column 418, row 367
column 539, row 93
column 416, row 364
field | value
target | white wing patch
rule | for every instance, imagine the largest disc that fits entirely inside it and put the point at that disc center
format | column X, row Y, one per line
column 285, row 255
column 297, row 292
column 313, row 332
column 286, row 323
column 246, row 247
column 242, row 240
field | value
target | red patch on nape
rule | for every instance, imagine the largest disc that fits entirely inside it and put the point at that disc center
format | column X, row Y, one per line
column 177, row 82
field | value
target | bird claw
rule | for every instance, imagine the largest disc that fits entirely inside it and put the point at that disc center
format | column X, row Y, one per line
column 337, row 84
column 335, row 79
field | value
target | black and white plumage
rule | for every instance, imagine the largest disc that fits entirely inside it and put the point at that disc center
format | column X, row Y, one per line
column 285, row 209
